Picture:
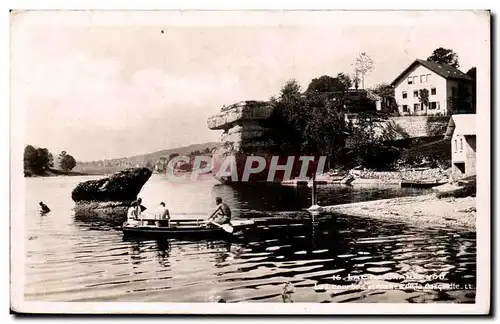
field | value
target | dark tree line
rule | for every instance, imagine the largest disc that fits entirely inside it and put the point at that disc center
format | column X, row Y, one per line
column 161, row 164
column 313, row 122
column 39, row 160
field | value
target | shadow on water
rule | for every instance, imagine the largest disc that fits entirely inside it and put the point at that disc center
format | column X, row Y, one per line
column 286, row 265
column 252, row 198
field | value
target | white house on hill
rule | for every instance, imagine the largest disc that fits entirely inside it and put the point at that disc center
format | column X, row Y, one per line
column 462, row 133
column 441, row 81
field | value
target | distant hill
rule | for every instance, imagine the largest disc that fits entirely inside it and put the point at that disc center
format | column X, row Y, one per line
column 149, row 159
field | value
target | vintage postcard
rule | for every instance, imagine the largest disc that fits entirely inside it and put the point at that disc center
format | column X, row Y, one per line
column 250, row 162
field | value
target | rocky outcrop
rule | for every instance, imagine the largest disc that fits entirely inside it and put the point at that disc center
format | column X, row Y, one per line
column 239, row 113
column 121, row 186
column 109, row 198
column 245, row 127
column 246, row 131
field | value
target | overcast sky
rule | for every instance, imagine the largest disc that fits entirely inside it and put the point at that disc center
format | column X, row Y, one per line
column 107, row 85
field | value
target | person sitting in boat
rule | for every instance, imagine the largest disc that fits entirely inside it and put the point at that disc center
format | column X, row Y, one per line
column 161, row 214
column 222, row 213
column 132, row 215
column 44, row 208
column 139, row 206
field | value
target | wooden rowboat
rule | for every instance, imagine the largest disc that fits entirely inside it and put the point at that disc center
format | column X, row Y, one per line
column 188, row 228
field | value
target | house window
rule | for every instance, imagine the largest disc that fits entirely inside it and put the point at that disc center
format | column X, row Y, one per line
column 422, row 106
column 456, row 146
column 432, row 105
column 427, row 77
column 415, row 106
column 415, row 93
column 415, row 79
column 405, row 95
column 433, row 91
column 405, row 108
column 461, row 145
column 422, row 79
column 410, row 80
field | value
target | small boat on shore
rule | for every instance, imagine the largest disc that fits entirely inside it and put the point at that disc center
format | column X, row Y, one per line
column 421, row 183
column 187, row 228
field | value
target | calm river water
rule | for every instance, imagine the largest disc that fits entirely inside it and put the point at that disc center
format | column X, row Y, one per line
column 72, row 260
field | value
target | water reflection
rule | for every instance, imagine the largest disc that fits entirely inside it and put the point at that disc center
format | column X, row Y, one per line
column 163, row 251
column 263, row 197
column 248, row 199
column 75, row 260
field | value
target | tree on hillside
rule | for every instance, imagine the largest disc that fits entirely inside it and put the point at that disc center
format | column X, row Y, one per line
column 60, row 158
column 472, row 74
column 355, row 79
column 327, row 83
column 313, row 124
column 325, row 128
column 345, row 79
column 288, row 117
column 310, row 124
column 43, row 158
column 30, row 156
column 444, row 56
column 68, row 162
column 149, row 165
column 386, row 92
column 362, row 67
column 36, row 160
column 291, row 89
column 366, row 149
column 51, row 161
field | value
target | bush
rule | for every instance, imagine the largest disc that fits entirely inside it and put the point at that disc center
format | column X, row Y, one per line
column 375, row 156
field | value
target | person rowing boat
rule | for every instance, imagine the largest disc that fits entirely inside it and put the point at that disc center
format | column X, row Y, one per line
column 221, row 216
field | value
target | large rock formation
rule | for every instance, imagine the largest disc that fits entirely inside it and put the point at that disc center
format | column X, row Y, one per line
column 245, row 132
column 109, row 198
column 248, row 132
column 244, row 125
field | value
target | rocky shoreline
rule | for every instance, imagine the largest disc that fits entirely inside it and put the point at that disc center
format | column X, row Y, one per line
column 355, row 177
column 424, row 211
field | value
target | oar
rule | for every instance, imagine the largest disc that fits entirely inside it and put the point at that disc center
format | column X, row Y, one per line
column 226, row 227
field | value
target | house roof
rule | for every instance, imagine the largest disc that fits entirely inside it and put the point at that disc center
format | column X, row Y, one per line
column 444, row 70
column 463, row 124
